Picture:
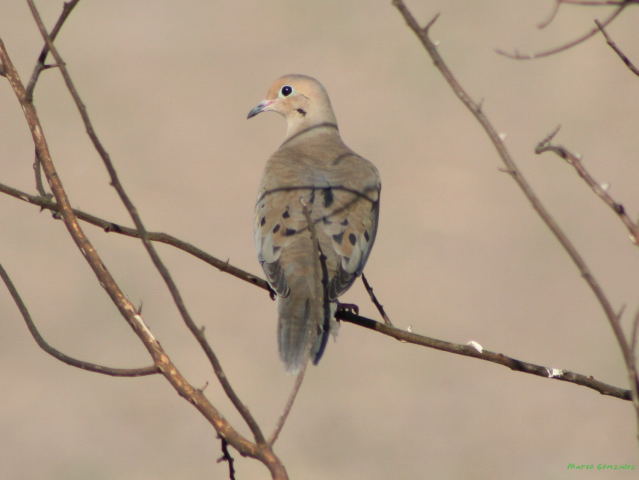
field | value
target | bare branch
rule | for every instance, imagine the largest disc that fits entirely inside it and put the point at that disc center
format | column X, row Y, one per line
column 545, row 53
column 109, row 226
column 262, row 451
column 162, row 237
column 67, row 8
column 635, row 332
column 599, row 189
column 355, row 319
column 617, row 50
column 164, row 273
column 513, row 170
column 483, row 354
column 289, row 405
column 37, row 168
column 552, row 15
column 379, row 306
column 74, row 362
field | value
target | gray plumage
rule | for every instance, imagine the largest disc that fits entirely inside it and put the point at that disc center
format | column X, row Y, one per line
column 312, row 175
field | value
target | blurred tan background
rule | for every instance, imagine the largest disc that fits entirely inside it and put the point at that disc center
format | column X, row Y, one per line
column 460, row 255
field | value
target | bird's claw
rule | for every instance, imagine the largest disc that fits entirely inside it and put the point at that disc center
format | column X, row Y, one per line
column 348, row 307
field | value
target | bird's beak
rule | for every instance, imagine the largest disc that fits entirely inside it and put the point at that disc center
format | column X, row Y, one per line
column 263, row 105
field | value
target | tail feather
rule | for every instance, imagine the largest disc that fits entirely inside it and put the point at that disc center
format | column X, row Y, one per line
column 294, row 331
column 304, row 326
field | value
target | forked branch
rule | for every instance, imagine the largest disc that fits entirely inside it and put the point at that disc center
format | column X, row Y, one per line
column 516, row 174
column 197, row 332
column 599, row 189
column 63, row 357
column 163, row 363
column 568, row 45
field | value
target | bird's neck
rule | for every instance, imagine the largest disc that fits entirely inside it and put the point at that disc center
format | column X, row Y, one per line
column 293, row 135
column 304, row 119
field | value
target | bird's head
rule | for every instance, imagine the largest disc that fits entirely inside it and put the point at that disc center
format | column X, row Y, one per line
column 300, row 99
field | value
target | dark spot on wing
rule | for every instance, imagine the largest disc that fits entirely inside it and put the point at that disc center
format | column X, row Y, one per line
column 326, row 220
column 328, row 197
column 290, row 231
column 352, row 238
column 262, row 221
column 276, row 228
column 286, row 214
column 344, row 222
column 338, row 237
column 301, row 111
column 367, row 236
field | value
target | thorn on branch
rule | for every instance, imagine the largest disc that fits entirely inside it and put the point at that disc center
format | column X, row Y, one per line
column 509, row 171
column 426, row 27
column 545, row 142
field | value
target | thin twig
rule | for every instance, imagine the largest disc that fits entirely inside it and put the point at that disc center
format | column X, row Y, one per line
column 129, row 312
column 601, row 191
column 552, row 15
column 616, row 49
column 226, row 457
column 54, row 352
column 155, row 258
column 112, row 227
column 67, row 8
column 545, row 53
column 483, row 354
column 37, row 168
column 635, row 332
column 289, row 405
column 378, row 305
column 513, row 170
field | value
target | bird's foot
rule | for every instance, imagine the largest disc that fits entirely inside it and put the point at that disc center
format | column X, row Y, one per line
column 348, row 307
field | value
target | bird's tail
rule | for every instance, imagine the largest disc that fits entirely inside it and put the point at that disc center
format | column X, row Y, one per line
column 305, row 322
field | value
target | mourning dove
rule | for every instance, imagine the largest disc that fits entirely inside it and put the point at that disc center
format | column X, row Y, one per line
column 313, row 175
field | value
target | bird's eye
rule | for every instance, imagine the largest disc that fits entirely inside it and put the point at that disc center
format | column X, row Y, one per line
column 286, row 90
